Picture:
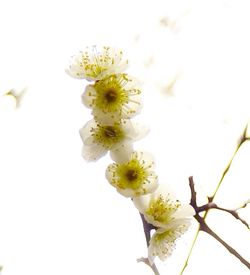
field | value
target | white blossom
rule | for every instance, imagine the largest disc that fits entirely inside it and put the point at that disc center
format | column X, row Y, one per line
column 161, row 209
column 134, row 177
column 113, row 98
column 94, row 64
column 117, row 138
column 170, row 218
column 163, row 241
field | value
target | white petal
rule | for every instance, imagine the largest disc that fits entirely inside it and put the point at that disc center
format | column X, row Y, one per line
column 165, row 191
column 85, row 131
column 87, row 96
column 128, row 193
column 135, row 130
column 145, row 157
column 75, row 69
column 185, row 210
column 93, row 153
column 152, row 183
column 121, row 152
column 142, row 202
column 74, row 72
column 105, row 118
column 109, row 173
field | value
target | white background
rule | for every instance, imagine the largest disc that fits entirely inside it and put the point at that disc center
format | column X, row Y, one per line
column 58, row 215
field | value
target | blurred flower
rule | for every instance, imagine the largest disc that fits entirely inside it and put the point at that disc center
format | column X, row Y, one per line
column 134, row 177
column 113, row 98
column 16, row 96
column 116, row 137
column 94, row 64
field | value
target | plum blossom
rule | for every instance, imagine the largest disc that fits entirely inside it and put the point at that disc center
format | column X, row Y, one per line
column 96, row 63
column 134, row 177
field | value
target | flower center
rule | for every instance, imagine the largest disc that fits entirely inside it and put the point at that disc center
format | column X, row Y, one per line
column 108, row 135
column 161, row 210
column 110, row 132
column 131, row 175
column 110, row 95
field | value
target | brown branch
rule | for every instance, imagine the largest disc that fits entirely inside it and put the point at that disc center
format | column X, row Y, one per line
column 204, row 227
column 242, row 139
column 234, row 213
column 147, row 227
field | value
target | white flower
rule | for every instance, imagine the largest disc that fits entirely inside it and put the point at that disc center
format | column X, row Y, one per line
column 134, row 177
column 113, row 98
column 162, row 210
column 98, row 139
column 169, row 216
column 163, row 241
column 94, row 64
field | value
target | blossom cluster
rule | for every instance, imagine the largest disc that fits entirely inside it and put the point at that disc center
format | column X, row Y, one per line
column 114, row 99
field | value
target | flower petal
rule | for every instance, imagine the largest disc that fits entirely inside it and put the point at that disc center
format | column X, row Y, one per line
column 85, row 131
column 93, row 153
column 122, row 153
column 88, row 96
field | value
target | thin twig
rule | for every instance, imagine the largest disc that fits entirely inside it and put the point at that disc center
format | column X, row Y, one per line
column 242, row 139
column 212, row 205
column 146, row 261
column 190, row 251
column 204, row 227
column 208, row 230
column 147, row 227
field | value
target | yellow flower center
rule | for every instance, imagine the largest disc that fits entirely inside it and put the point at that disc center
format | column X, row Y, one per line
column 131, row 175
column 108, row 135
column 161, row 210
column 111, row 94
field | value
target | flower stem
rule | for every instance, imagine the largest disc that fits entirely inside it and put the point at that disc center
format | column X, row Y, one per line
column 147, row 227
